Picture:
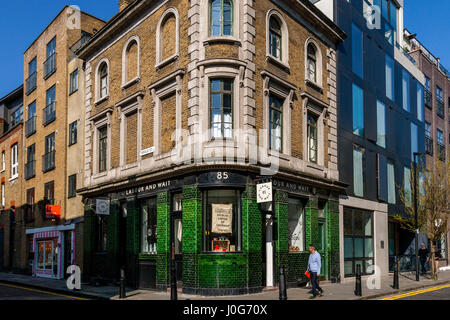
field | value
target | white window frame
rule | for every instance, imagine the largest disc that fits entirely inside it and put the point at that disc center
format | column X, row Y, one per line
column 14, row 161
column 319, row 70
column 284, row 61
column 97, row 122
column 125, row 57
column 160, row 62
column 3, row 160
column 3, row 194
column 98, row 86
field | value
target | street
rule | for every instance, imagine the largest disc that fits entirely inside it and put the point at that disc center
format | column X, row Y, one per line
column 433, row 293
column 14, row 292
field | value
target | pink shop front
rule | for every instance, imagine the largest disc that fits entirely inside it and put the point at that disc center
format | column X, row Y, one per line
column 53, row 250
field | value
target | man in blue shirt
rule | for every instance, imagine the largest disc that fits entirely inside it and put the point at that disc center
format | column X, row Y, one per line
column 314, row 266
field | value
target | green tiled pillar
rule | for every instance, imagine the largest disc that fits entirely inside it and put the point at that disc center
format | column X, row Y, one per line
column 332, row 214
column 251, row 236
column 192, row 235
column 282, row 231
column 311, row 222
column 163, row 238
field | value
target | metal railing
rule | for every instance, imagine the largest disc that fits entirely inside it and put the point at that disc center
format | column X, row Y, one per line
column 50, row 66
column 30, row 126
column 30, row 170
column 48, row 161
column 429, row 146
column 31, row 83
column 85, row 37
column 427, row 98
column 440, row 108
column 49, row 113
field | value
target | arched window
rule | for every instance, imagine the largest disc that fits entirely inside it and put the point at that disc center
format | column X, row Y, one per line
column 167, row 38
column 103, row 83
column 312, row 63
column 131, row 61
column 275, row 38
column 221, row 17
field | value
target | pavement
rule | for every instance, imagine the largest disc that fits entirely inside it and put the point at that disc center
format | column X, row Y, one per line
column 341, row 291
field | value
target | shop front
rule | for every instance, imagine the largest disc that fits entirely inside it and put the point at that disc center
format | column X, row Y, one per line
column 212, row 228
column 49, row 251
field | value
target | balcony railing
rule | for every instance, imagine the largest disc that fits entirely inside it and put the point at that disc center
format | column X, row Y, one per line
column 440, row 108
column 50, row 66
column 48, row 161
column 427, row 97
column 429, row 146
column 31, row 83
column 30, row 126
column 441, row 151
column 30, row 170
column 49, row 113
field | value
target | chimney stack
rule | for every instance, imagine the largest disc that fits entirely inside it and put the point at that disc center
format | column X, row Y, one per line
column 124, row 3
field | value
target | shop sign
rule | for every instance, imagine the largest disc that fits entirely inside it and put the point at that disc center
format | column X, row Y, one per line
column 147, row 151
column 291, row 186
column 102, row 207
column 264, row 192
column 222, row 218
column 221, row 178
column 52, row 211
column 149, row 188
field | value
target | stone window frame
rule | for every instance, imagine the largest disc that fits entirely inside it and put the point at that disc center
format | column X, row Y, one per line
column 98, row 98
column 97, row 122
column 272, row 84
column 205, row 23
column 284, row 61
column 159, row 60
column 159, row 90
column 125, row 81
column 318, row 108
column 127, row 107
column 318, row 84
column 220, row 68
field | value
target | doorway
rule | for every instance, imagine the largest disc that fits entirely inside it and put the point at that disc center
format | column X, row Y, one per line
column 322, row 247
column 177, row 235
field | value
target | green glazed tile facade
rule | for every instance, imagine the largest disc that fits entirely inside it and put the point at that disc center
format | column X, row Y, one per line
column 163, row 239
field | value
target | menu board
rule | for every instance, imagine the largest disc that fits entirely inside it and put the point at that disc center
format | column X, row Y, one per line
column 222, row 218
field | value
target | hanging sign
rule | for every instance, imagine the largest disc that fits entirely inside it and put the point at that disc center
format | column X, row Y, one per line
column 222, row 218
column 264, row 192
column 53, row 211
column 102, row 207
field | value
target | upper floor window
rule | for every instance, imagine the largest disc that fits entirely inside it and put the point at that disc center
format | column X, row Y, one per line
column 439, row 94
column 275, row 38
column 130, row 61
column 420, row 102
column 50, row 63
column 31, row 80
column 414, row 140
column 312, row 63
column 73, row 83
column 51, row 47
column 167, row 38
column 276, row 123
column 381, row 124
column 14, row 161
column 358, row 171
column 73, row 135
column 221, row 17
column 49, row 192
column 405, row 90
column 312, row 138
column 72, row 192
column 358, row 111
column 102, row 148
column 357, row 51
column 102, row 79
column 17, row 116
column 3, row 161
column 389, row 12
column 221, row 108
column 390, row 77
column 427, row 83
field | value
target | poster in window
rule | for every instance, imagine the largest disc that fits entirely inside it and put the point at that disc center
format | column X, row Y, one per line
column 222, row 218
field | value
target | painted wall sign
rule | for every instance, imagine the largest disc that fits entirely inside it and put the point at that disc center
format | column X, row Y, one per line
column 264, row 192
column 147, row 151
column 149, row 187
column 222, row 218
column 222, row 178
column 102, row 207
column 291, row 186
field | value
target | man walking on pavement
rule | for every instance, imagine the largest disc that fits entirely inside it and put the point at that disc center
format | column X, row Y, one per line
column 314, row 266
column 423, row 256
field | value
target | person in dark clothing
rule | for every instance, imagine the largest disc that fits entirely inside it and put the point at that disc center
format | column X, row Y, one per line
column 423, row 257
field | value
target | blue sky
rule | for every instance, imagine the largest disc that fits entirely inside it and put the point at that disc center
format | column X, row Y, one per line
column 21, row 21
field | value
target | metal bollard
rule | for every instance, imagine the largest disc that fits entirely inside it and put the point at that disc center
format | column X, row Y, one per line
column 358, row 289
column 122, row 283
column 173, row 282
column 396, row 269
column 282, row 287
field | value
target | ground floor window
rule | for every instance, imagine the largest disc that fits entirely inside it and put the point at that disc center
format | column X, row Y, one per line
column 47, row 256
column 222, row 221
column 296, row 223
column 148, row 231
column 358, row 241
column 101, row 232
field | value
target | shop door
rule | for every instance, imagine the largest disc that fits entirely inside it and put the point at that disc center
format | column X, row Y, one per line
column 322, row 248
column 177, row 235
column 2, row 243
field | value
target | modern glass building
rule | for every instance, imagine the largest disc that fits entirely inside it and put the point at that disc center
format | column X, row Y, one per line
column 380, row 127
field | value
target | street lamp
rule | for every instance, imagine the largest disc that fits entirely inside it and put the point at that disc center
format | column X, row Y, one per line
column 415, row 214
